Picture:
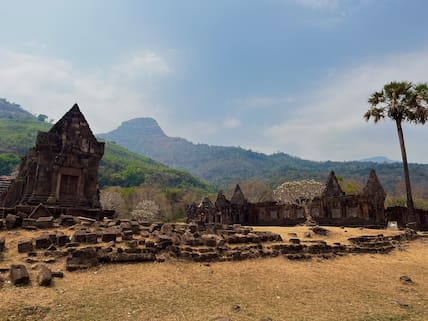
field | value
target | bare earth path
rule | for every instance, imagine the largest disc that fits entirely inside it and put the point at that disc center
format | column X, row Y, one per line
column 354, row 287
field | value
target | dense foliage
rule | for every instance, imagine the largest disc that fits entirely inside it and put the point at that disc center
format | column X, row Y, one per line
column 120, row 167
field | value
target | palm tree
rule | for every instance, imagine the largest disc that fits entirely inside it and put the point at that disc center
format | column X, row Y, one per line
column 401, row 101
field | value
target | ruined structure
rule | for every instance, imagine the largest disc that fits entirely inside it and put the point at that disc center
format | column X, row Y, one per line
column 61, row 171
column 331, row 207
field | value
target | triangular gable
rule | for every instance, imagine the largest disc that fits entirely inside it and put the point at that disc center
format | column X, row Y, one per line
column 332, row 186
column 373, row 186
column 40, row 211
column 66, row 121
column 238, row 197
column 221, row 200
column 206, row 203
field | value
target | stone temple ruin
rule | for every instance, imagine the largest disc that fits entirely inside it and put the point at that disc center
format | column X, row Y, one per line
column 60, row 172
column 331, row 207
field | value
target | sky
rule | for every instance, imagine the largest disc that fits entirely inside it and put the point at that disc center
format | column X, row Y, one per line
column 289, row 76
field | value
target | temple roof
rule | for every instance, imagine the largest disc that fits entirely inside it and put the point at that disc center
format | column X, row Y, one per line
column 73, row 117
column 238, row 197
column 332, row 186
column 373, row 186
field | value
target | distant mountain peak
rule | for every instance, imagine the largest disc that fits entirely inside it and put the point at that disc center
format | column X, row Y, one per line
column 142, row 126
column 379, row 160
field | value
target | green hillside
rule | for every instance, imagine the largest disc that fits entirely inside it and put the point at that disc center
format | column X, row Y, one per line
column 14, row 111
column 223, row 166
column 118, row 167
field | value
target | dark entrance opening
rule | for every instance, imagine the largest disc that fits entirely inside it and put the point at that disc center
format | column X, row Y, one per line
column 68, row 188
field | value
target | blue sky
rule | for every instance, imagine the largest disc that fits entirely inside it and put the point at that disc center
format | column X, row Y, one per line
column 270, row 75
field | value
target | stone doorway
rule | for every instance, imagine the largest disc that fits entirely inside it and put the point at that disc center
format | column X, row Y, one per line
column 68, row 187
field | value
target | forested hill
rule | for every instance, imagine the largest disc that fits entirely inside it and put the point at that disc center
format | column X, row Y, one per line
column 14, row 111
column 223, row 166
column 118, row 167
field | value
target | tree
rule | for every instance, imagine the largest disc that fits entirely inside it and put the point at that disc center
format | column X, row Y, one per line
column 300, row 193
column 255, row 191
column 401, row 101
column 42, row 117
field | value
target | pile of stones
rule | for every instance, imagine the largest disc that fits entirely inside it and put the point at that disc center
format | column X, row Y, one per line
column 84, row 243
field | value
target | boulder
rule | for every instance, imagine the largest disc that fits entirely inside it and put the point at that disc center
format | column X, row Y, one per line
column 11, row 221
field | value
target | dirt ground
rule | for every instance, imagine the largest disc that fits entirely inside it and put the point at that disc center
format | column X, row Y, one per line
column 354, row 287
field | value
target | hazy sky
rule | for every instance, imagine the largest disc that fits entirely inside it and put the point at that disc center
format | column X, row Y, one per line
column 270, row 75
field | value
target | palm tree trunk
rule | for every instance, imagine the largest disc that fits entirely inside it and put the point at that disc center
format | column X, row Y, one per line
column 411, row 215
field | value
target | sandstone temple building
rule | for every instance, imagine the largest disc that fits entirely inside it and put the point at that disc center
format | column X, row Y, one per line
column 331, row 207
column 60, row 172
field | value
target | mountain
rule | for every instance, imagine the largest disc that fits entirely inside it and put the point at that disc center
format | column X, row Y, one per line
column 118, row 167
column 14, row 111
column 379, row 159
column 223, row 166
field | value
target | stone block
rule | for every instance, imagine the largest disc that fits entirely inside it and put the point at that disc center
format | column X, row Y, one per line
column 25, row 246
column 294, row 241
column 28, row 222
column 127, row 235
column 58, row 274
column 45, row 222
column 43, row 242
column 108, row 236
column 62, row 240
column 67, row 220
column 79, row 237
column 91, row 238
column 2, row 244
column 82, row 259
column 135, row 227
column 45, row 276
column 19, row 275
column 164, row 241
column 210, row 240
column 86, row 220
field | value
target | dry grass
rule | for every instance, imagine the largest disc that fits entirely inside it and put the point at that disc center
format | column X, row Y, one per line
column 335, row 234
column 355, row 287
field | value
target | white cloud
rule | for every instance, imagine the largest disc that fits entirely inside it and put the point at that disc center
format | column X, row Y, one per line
column 264, row 101
column 232, row 123
column 51, row 86
column 146, row 62
column 330, row 125
column 317, row 4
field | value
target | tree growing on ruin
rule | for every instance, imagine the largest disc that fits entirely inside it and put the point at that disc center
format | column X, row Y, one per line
column 300, row 193
column 401, row 101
